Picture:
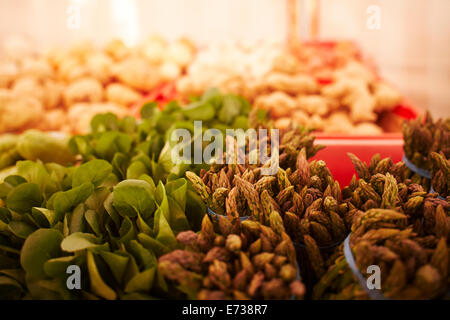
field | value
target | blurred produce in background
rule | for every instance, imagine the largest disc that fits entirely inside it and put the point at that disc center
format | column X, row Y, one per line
column 63, row 88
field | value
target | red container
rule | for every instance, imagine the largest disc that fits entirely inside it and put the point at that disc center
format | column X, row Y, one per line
column 161, row 94
column 364, row 147
column 337, row 147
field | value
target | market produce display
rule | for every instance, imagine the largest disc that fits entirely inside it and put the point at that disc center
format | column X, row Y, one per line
column 327, row 87
column 303, row 194
column 33, row 145
column 90, row 182
column 413, row 257
column 244, row 260
column 62, row 89
column 139, row 226
column 427, row 152
column 145, row 147
column 396, row 226
column 57, row 216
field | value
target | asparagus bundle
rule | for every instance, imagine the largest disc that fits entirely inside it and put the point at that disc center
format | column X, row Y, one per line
column 366, row 193
column 305, row 195
column 405, row 233
column 440, row 174
column 234, row 189
column 412, row 267
column 423, row 136
column 245, row 260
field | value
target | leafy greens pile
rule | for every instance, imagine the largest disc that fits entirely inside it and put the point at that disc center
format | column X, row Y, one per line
column 113, row 215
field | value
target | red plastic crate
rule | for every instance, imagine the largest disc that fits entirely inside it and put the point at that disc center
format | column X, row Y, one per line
column 337, row 147
column 161, row 94
column 364, row 147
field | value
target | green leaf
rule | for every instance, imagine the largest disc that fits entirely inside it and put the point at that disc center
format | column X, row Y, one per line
column 165, row 234
column 149, row 109
column 230, row 109
column 36, row 172
column 158, row 172
column 143, row 281
column 43, row 213
column 163, row 122
column 98, row 286
column 132, row 197
column 177, row 190
column 23, row 197
column 76, row 220
column 94, row 171
column 43, row 289
column 128, row 125
column 34, row 145
column 16, row 274
column 57, row 171
column 80, row 145
column 5, row 215
column 178, row 220
column 212, row 95
column 199, row 111
column 132, row 268
column 40, row 246
column 165, row 158
column 149, row 180
column 108, row 204
column 79, row 241
column 143, row 226
column 92, row 219
column 110, row 181
column 57, row 267
column 195, row 209
column 152, row 244
column 145, row 258
column 97, row 199
column 15, row 180
column 111, row 142
column 117, row 263
column 9, row 288
column 67, row 200
column 119, row 164
column 136, row 169
column 51, row 289
column 241, row 122
column 126, row 230
column 104, row 122
column 21, row 229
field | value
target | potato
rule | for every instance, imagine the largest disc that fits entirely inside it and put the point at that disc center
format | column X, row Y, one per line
column 83, row 90
column 34, row 145
column 121, row 94
column 18, row 112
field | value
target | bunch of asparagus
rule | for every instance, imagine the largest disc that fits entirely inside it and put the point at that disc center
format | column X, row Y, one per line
column 440, row 174
column 423, row 136
column 305, row 195
column 423, row 139
column 244, row 260
column 404, row 230
column 234, row 189
column 412, row 267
